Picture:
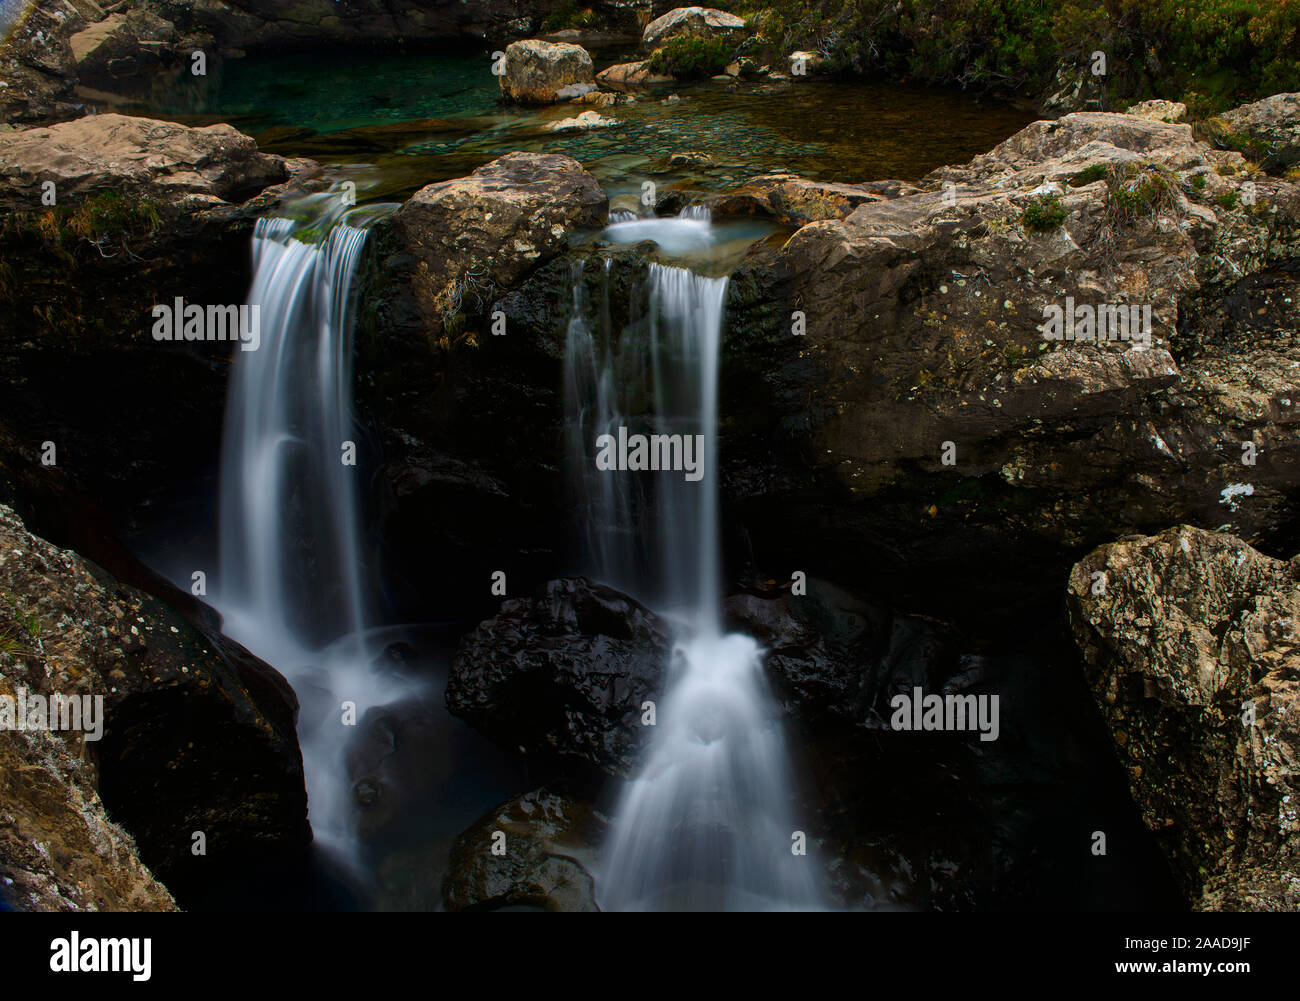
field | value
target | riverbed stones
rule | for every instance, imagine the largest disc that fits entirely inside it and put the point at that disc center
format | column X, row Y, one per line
column 1190, row 644
column 538, row 72
column 692, row 22
column 583, row 122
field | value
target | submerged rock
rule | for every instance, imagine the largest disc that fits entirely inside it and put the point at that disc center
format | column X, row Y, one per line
column 198, row 735
column 564, row 672
column 1190, row 645
column 539, row 72
column 586, row 120
column 543, row 840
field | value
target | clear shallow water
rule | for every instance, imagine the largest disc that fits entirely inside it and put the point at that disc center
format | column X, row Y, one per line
column 395, row 122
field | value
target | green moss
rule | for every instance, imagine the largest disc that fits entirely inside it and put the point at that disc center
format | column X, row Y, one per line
column 108, row 217
column 691, row 58
column 1043, row 215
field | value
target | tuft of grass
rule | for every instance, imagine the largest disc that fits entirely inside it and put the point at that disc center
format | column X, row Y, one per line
column 691, row 58
column 1044, row 214
column 1140, row 192
column 569, row 15
column 1227, row 200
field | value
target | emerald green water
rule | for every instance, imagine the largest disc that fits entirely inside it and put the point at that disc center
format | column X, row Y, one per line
column 394, row 122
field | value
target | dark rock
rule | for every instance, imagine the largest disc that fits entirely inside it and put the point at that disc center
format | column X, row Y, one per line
column 198, row 736
column 563, row 673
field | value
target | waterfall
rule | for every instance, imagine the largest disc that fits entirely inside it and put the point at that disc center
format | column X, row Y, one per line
column 291, row 583
column 707, row 824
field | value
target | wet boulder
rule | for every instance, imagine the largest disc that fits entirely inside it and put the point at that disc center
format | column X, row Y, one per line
column 544, row 842
column 564, row 672
column 1190, row 644
column 836, row 658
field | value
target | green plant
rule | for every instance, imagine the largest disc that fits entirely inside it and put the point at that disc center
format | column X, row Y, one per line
column 1198, row 182
column 1088, row 175
column 691, row 58
column 1227, row 200
column 1044, row 214
column 1139, row 192
column 569, row 15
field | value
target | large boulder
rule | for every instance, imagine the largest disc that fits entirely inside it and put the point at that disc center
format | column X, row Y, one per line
column 538, row 72
column 123, row 44
column 1190, row 645
column 37, row 66
column 925, row 390
column 461, row 243
column 198, row 735
column 692, row 22
column 1267, row 130
column 564, row 673
column 172, row 165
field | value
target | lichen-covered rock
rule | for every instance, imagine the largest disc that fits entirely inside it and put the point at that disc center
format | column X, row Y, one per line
column 198, row 735
column 565, row 673
column 692, row 22
column 1190, row 642
column 923, row 334
column 538, row 72
column 549, row 840
column 460, row 243
column 1272, row 126
column 59, row 851
column 193, row 168
column 1158, row 111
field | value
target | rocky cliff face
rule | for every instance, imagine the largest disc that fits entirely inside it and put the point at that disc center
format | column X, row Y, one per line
column 1190, row 645
column 196, row 735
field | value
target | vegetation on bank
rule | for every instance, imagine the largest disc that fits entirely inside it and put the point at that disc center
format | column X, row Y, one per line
column 692, row 58
column 1211, row 54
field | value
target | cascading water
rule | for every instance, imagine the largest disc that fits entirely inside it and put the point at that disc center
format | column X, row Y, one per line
column 708, row 822
column 291, row 583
